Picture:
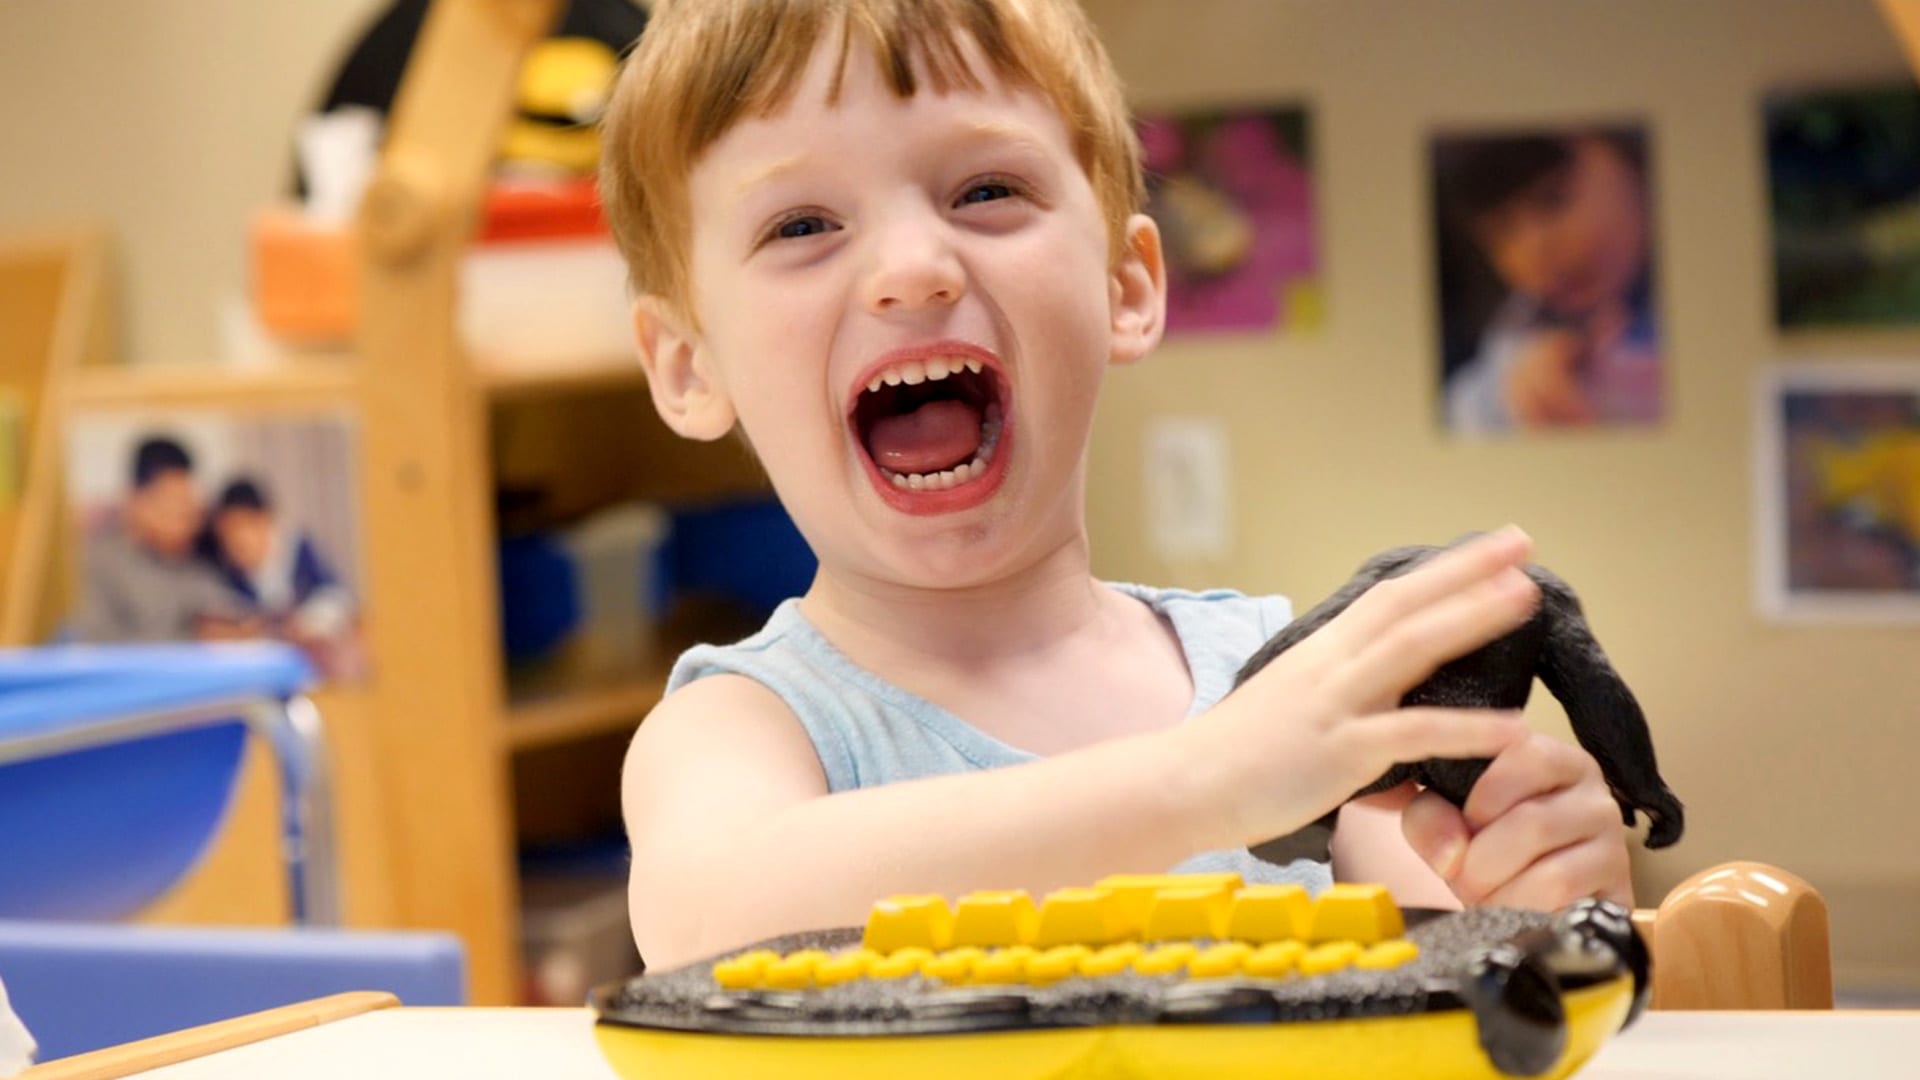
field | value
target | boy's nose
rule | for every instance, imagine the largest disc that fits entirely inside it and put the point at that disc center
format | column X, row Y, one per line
column 913, row 270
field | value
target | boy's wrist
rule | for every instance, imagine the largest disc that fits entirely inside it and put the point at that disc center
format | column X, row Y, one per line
column 1197, row 782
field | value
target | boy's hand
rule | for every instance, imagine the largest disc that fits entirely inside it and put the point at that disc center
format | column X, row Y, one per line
column 1543, row 388
column 1540, row 830
column 1322, row 720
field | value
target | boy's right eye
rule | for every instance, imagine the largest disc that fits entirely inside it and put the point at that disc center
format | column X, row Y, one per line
column 799, row 227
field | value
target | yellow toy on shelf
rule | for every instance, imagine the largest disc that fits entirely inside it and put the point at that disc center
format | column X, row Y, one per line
column 1195, row 976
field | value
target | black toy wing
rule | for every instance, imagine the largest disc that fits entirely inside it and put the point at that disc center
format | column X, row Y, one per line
column 1603, row 713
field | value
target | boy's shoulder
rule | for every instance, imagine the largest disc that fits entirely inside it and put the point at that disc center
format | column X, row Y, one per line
column 1266, row 613
column 780, row 634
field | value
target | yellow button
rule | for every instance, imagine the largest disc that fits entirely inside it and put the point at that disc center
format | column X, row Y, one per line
column 844, row 966
column 1008, row 965
column 1177, row 914
column 899, row 964
column 1362, row 913
column 1328, row 958
column 793, row 971
column 1166, row 959
column 954, row 965
column 1079, row 916
column 1275, row 961
column 1057, row 963
column 994, row 918
column 1134, row 893
column 1111, row 960
column 900, row 922
column 745, row 971
column 1265, row 913
column 1388, row 954
column 1219, row 960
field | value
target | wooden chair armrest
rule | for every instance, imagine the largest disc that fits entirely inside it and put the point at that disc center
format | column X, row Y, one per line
column 1741, row 935
column 178, row 1046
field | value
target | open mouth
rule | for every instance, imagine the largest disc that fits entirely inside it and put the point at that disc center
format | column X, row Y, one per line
column 932, row 424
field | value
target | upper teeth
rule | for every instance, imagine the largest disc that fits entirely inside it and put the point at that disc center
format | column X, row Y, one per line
column 915, row 372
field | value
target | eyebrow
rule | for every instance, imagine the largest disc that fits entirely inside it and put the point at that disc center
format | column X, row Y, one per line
column 977, row 131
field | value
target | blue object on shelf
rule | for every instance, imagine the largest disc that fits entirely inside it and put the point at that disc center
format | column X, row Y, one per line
column 117, row 763
column 749, row 552
column 101, row 833
column 539, row 595
column 83, row 986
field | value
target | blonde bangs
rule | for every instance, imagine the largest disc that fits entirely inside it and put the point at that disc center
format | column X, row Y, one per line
column 702, row 65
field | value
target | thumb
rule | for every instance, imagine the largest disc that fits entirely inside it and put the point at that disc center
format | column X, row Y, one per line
column 1437, row 832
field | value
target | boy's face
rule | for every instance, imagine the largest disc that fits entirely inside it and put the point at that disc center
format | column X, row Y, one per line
column 245, row 535
column 948, row 243
column 1577, row 237
column 165, row 515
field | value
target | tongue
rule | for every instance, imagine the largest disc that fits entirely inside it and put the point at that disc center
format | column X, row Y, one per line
column 932, row 438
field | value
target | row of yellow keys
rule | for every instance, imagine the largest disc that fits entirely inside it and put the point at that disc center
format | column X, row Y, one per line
column 1145, row 923
column 764, row 969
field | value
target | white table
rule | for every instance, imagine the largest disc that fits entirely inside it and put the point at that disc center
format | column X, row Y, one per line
column 512, row 1044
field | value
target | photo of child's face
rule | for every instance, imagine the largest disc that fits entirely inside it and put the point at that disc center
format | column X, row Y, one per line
column 1576, row 236
column 245, row 536
column 165, row 515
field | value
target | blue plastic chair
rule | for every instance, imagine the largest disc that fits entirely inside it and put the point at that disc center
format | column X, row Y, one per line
column 117, row 763
column 84, row 986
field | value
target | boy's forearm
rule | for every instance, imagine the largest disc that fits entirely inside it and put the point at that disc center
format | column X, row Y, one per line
column 1130, row 804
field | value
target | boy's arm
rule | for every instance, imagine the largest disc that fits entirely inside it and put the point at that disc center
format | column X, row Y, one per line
column 734, row 837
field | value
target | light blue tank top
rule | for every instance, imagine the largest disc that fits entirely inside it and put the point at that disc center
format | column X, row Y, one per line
column 867, row 731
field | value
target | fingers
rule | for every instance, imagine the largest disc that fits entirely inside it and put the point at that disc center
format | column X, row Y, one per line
column 1443, row 576
column 1550, row 850
column 1526, row 770
column 1421, row 733
column 1437, row 832
column 1402, row 654
column 1596, row 867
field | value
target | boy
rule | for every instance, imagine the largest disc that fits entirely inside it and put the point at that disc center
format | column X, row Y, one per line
column 896, row 245
column 141, row 580
column 282, row 575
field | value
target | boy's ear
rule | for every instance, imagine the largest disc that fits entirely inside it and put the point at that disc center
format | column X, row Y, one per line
column 687, row 391
column 1138, row 292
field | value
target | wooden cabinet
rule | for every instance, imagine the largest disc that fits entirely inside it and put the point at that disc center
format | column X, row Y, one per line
column 428, row 746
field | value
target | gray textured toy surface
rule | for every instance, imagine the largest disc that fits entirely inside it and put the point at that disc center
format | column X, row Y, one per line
column 1557, row 646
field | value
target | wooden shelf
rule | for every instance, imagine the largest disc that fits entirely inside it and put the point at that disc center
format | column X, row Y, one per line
column 508, row 379
column 291, row 386
column 555, row 710
column 551, row 719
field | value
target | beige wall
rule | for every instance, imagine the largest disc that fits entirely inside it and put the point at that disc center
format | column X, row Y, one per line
column 1794, row 745
column 169, row 122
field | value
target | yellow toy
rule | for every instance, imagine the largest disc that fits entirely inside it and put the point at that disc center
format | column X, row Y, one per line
column 1187, row 976
column 563, row 86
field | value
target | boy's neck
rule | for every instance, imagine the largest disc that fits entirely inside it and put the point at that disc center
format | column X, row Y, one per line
column 1042, row 605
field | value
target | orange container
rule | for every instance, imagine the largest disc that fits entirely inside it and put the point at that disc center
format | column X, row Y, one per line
column 305, row 277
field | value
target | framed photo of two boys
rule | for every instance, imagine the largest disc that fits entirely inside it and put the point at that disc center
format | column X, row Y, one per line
column 204, row 525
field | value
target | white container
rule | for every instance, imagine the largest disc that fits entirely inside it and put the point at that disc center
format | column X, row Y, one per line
column 523, row 302
column 613, row 554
